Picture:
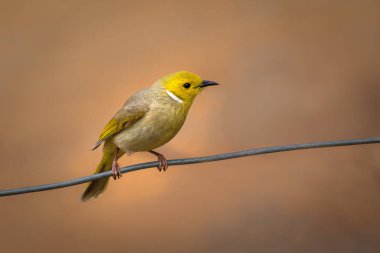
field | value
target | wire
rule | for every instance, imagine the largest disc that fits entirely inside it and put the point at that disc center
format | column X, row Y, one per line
column 251, row 152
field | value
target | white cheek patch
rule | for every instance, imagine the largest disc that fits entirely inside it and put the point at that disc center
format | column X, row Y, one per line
column 174, row 97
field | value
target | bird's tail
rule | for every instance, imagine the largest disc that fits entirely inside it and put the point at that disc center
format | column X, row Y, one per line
column 96, row 187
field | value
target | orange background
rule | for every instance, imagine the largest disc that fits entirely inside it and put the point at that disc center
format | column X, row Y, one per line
column 291, row 72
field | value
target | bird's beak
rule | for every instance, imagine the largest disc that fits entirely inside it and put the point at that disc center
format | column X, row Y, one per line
column 207, row 83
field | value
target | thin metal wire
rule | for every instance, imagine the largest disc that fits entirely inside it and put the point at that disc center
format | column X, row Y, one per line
column 251, row 152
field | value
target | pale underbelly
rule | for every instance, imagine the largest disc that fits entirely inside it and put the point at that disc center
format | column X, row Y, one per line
column 147, row 134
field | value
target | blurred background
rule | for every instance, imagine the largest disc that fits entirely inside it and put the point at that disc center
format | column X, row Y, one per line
column 291, row 72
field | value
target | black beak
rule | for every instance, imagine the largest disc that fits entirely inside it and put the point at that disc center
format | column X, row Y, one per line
column 207, row 83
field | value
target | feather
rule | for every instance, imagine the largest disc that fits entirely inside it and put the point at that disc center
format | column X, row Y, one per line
column 133, row 110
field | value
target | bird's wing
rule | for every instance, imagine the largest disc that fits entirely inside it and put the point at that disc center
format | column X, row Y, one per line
column 133, row 110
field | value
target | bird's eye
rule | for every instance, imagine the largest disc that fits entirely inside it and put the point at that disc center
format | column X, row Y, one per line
column 186, row 85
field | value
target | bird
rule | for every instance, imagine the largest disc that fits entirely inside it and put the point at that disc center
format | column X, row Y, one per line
column 148, row 119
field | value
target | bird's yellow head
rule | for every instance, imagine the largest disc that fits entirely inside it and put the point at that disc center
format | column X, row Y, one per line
column 184, row 85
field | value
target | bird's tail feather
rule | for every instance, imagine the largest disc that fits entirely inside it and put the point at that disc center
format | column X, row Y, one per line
column 96, row 187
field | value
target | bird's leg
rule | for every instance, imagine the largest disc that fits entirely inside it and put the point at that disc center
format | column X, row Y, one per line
column 116, row 173
column 162, row 162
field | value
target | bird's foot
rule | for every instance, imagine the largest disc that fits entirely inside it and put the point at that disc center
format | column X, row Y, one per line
column 116, row 173
column 162, row 161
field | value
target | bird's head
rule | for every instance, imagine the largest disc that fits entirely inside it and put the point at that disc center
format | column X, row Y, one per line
column 184, row 86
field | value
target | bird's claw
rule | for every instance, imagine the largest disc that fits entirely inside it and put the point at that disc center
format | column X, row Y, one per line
column 116, row 173
column 162, row 163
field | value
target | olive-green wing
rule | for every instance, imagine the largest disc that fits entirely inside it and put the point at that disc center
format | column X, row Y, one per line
column 132, row 111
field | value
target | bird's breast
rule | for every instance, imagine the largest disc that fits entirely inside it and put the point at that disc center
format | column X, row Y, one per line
column 158, row 126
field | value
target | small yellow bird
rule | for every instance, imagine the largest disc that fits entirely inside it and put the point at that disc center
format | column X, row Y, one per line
column 148, row 120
